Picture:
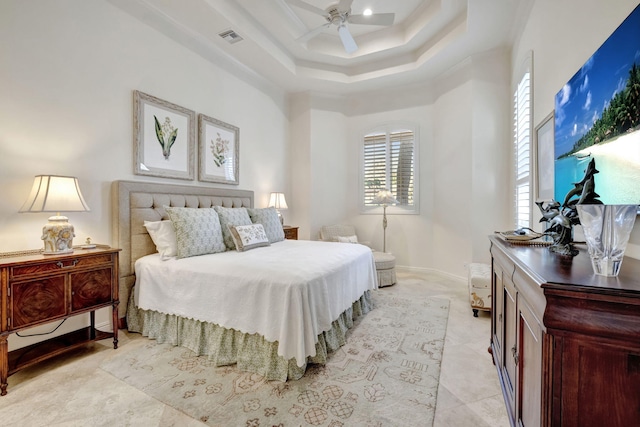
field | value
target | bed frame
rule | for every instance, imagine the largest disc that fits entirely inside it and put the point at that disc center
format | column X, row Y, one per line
column 134, row 202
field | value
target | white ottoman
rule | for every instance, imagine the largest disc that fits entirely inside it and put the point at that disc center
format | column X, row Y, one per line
column 479, row 287
column 386, row 269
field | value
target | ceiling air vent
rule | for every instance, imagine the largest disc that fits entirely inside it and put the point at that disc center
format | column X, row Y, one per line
column 230, row 36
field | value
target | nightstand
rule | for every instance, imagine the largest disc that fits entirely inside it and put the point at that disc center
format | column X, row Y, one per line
column 290, row 232
column 37, row 289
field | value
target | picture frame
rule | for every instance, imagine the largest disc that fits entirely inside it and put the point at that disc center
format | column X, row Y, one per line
column 219, row 151
column 596, row 119
column 544, row 159
column 164, row 138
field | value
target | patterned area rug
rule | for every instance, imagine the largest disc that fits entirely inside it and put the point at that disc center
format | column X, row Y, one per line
column 386, row 375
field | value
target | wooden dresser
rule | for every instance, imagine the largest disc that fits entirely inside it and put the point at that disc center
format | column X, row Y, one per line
column 565, row 342
column 38, row 289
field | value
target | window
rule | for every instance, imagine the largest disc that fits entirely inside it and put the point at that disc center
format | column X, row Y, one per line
column 389, row 162
column 521, row 139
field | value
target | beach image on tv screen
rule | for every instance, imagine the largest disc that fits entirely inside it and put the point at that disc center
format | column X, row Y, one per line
column 597, row 115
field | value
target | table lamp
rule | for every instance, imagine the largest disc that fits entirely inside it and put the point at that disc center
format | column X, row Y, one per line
column 54, row 193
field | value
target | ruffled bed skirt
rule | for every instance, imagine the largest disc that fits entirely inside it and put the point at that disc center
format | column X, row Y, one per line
column 250, row 352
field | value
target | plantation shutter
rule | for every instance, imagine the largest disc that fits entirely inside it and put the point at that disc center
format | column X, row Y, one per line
column 375, row 165
column 389, row 163
column 522, row 136
column 402, row 166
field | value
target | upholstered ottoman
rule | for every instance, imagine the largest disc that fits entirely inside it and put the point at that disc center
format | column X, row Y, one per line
column 386, row 269
column 479, row 287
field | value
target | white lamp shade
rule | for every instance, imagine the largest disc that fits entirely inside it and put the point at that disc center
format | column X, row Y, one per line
column 278, row 201
column 385, row 197
column 53, row 193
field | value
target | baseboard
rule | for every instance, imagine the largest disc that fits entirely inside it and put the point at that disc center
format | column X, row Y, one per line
column 424, row 270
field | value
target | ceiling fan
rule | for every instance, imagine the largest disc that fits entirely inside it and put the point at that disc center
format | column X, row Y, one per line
column 340, row 15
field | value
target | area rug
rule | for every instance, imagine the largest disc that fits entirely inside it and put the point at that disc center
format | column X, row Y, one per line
column 385, row 375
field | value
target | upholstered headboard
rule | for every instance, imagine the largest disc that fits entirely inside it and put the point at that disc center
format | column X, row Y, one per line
column 135, row 202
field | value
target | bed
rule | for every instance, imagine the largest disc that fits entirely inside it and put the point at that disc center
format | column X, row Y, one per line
column 271, row 310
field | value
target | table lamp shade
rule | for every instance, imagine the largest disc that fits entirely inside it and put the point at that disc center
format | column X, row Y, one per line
column 278, row 201
column 53, row 193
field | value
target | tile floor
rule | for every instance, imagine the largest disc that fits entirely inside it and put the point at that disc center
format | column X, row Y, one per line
column 71, row 390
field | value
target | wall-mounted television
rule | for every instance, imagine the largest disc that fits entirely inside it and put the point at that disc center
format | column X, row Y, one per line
column 597, row 115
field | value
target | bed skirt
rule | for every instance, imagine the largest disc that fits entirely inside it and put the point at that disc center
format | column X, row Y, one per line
column 250, row 352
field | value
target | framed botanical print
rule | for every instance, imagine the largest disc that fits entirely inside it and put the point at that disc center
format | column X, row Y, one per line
column 219, row 145
column 164, row 138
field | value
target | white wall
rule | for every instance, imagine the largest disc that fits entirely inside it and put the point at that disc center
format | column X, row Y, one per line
column 562, row 36
column 68, row 71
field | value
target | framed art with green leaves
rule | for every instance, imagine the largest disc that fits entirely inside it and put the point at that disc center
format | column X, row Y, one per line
column 219, row 144
column 164, row 138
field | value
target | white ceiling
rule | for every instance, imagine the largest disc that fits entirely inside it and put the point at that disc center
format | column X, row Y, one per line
column 427, row 38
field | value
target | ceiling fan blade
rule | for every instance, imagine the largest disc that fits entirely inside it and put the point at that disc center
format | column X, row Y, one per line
column 311, row 34
column 307, row 6
column 345, row 5
column 375, row 19
column 347, row 39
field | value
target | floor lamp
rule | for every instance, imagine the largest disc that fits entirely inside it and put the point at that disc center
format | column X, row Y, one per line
column 384, row 198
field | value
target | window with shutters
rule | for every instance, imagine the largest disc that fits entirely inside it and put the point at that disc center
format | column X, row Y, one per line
column 522, row 149
column 389, row 162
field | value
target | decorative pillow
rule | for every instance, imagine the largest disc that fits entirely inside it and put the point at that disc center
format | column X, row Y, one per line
column 248, row 237
column 347, row 239
column 198, row 231
column 164, row 237
column 268, row 217
column 229, row 217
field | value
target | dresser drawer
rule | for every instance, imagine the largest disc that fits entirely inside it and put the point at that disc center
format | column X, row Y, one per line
column 58, row 264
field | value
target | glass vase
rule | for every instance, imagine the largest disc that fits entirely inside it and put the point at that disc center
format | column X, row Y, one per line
column 607, row 229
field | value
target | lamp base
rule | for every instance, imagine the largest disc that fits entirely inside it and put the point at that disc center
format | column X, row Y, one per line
column 58, row 236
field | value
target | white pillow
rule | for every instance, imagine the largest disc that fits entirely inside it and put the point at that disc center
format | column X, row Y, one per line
column 164, row 237
column 248, row 237
column 347, row 239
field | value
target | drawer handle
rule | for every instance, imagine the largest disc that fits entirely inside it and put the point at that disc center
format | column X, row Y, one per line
column 61, row 265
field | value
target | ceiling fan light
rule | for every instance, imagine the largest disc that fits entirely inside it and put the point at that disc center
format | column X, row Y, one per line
column 347, row 39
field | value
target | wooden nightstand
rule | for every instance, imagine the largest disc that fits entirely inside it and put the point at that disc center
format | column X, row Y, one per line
column 290, row 232
column 37, row 289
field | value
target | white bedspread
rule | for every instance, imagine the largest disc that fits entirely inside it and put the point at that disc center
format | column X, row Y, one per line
column 288, row 292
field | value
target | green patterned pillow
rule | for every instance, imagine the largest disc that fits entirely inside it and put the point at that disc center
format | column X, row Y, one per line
column 198, row 231
column 268, row 217
column 229, row 217
column 248, row 237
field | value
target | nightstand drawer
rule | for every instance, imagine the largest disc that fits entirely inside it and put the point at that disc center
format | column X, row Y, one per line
column 290, row 232
column 61, row 265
